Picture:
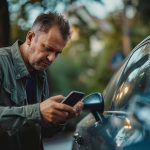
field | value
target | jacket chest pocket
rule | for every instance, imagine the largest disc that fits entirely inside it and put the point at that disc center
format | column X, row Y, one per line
column 12, row 97
column 19, row 96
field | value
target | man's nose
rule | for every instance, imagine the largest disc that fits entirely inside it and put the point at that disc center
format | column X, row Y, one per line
column 51, row 57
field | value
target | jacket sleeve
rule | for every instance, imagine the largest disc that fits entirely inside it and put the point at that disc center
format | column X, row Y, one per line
column 13, row 118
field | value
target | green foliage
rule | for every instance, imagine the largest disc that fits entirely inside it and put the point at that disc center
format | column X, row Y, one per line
column 65, row 76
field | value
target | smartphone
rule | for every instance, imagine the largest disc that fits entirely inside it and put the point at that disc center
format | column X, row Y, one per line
column 73, row 97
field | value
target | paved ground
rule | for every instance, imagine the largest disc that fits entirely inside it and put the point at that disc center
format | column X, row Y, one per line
column 62, row 141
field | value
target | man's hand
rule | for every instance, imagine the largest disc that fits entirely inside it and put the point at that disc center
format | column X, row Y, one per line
column 78, row 108
column 53, row 111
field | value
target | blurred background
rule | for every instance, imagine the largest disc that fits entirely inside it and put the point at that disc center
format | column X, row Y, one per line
column 103, row 34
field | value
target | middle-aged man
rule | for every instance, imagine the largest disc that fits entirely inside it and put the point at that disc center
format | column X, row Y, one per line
column 25, row 106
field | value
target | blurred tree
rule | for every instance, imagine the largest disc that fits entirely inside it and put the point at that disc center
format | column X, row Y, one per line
column 112, row 43
column 125, row 29
column 139, row 21
column 4, row 24
column 142, row 7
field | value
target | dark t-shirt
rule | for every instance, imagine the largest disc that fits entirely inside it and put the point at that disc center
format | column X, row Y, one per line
column 31, row 88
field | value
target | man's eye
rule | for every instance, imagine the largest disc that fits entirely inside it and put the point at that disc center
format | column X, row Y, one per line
column 57, row 53
column 49, row 49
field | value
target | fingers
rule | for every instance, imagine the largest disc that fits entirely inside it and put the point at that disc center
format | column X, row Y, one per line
column 53, row 111
column 64, row 107
column 78, row 108
column 57, row 98
column 57, row 116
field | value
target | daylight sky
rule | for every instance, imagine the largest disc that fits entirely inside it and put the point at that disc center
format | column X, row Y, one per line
column 102, row 10
column 94, row 8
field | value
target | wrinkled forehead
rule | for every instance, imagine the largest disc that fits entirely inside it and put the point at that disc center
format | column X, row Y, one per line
column 53, row 33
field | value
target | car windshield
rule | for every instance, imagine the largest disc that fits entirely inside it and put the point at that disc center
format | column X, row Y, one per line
column 134, row 79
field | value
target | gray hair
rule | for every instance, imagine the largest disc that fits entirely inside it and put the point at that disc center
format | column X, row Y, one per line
column 45, row 21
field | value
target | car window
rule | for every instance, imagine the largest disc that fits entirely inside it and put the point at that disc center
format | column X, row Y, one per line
column 111, row 88
column 134, row 79
column 136, row 56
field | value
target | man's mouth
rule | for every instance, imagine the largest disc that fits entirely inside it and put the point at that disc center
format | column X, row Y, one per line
column 45, row 64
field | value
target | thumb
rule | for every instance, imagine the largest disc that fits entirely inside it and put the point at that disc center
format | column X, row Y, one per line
column 57, row 98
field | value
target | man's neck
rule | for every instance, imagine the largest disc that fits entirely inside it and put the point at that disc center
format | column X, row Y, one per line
column 24, row 54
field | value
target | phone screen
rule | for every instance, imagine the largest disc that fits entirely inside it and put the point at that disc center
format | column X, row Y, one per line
column 73, row 97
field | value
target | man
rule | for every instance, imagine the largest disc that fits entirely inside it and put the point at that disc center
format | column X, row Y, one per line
column 25, row 106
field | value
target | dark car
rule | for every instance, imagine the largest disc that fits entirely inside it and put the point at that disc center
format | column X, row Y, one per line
column 119, row 117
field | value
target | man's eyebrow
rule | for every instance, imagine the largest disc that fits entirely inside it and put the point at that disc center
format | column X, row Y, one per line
column 52, row 49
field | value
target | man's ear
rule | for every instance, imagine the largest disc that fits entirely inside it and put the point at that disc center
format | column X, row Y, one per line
column 29, row 37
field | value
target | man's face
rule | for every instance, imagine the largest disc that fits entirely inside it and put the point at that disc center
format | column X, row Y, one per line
column 44, row 48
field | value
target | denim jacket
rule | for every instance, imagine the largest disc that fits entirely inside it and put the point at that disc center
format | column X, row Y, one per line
column 19, row 122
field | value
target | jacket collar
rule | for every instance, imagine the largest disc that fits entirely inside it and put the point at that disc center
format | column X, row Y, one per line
column 20, row 67
column 19, row 64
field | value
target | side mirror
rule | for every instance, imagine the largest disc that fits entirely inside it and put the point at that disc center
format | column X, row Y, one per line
column 94, row 103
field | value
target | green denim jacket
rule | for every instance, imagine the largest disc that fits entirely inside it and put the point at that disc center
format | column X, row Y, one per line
column 19, row 122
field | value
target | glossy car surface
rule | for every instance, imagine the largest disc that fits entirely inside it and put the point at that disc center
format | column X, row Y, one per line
column 125, row 121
